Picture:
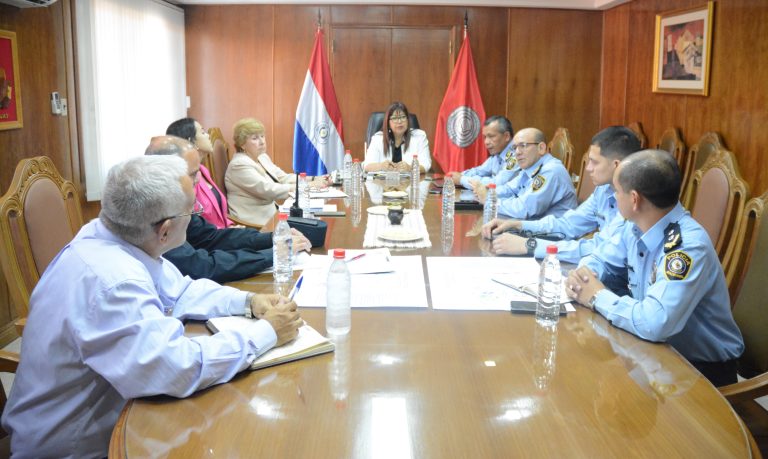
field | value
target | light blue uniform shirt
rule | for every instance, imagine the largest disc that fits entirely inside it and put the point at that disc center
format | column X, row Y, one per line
column 543, row 189
column 97, row 336
column 679, row 297
column 598, row 212
column 487, row 172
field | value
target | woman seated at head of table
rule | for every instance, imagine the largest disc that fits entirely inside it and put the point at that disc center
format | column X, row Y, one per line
column 214, row 202
column 252, row 180
column 396, row 149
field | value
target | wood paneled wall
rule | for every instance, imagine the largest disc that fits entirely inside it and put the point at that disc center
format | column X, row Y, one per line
column 737, row 105
column 250, row 60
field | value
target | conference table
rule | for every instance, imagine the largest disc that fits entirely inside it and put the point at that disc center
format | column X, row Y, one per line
column 426, row 383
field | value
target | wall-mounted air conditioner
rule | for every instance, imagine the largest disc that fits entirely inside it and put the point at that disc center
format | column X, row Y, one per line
column 28, row 3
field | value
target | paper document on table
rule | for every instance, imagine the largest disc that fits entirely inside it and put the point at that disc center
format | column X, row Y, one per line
column 368, row 261
column 468, row 283
column 530, row 287
column 402, row 288
column 315, row 205
column 300, row 261
column 324, row 193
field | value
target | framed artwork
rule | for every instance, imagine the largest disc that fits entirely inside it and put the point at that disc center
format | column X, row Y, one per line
column 683, row 48
column 10, row 87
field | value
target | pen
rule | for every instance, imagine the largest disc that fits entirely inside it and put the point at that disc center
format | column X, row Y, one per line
column 296, row 287
column 356, row 257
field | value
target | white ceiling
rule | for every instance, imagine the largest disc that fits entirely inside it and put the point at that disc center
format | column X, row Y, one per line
column 565, row 4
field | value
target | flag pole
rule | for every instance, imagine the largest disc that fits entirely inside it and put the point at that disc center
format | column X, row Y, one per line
column 466, row 23
column 319, row 19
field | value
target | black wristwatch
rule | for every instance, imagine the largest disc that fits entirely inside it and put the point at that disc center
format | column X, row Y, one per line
column 530, row 244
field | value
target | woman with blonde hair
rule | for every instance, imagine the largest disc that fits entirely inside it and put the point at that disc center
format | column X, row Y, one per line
column 252, row 180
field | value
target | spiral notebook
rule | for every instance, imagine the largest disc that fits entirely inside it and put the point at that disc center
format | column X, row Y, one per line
column 307, row 344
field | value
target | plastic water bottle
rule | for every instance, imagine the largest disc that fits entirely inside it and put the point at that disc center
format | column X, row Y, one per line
column 550, row 277
column 303, row 196
column 415, row 172
column 490, row 208
column 338, row 314
column 357, row 177
column 347, row 172
column 282, row 250
column 449, row 199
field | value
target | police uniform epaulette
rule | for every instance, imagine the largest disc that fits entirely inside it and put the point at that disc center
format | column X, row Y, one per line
column 536, row 172
column 672, row 237
column 538, row 180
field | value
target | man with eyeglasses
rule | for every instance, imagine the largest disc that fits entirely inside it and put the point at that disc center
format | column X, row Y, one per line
column 222, row 255
column 543, row 186
column 497, row 136
column 105, row 322
column 598, row 212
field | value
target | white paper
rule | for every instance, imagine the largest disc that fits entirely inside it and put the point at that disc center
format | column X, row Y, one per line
column 372, row 261
column 467, row 283
column 314, row 205
column 325, row 193
column 403, row 287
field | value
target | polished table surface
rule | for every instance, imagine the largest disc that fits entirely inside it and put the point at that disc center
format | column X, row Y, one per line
column 426, row 383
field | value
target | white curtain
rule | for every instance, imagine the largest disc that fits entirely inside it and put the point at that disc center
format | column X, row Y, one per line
column 132, row 79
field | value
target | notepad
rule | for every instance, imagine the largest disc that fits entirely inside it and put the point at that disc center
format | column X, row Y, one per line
column 308, row 343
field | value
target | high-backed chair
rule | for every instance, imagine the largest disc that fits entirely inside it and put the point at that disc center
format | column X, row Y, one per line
column 9, row 362
column 376, row 121
column 743, row 244
column 672, row 142
column 637, row 128
column 585, row 187
column 717, row 198
column 561, row 147
column 39, row 214
column 697, row 156
column 751, row 314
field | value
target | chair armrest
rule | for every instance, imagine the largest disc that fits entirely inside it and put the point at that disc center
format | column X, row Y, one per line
column 9, row 361
column 746, row 390
column 237, row 221
column 20, row 324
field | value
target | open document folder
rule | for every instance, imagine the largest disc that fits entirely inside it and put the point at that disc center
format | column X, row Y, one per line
column 308, row 342
column 470, row 283
column 396, row 282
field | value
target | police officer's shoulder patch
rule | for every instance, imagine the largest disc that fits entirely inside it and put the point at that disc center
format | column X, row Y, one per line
column 677, row 265
column 538, row 182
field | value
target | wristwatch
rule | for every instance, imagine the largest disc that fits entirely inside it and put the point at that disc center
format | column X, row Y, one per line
column 248, row 313
column 591, row 302
column 530, row 244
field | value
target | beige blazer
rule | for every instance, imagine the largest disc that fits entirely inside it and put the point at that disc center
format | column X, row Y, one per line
column 251, row 192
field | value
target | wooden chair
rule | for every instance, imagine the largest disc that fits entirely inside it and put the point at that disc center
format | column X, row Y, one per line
column 219, row 160
column 696, row 158
column 751, row 315
column 561, row 147
column 9, row 362
column 39, row 214
column 718, row 195
column 637, row 128
column 672, row 142
column 585, row 187
column 743, row 244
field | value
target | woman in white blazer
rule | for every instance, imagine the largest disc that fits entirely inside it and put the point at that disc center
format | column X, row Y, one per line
column 252, row 180
column 396, row 149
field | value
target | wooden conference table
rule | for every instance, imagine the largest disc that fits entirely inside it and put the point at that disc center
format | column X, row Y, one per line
column 426, row 383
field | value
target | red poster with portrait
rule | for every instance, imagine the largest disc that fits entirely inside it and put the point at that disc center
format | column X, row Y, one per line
column 10, row 91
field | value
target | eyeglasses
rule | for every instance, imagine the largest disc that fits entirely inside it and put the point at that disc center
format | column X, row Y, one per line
column 198, row 209
column 522, row 145
column 398, row 118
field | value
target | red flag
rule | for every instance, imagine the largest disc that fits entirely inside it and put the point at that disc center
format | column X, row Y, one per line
column 458, row 143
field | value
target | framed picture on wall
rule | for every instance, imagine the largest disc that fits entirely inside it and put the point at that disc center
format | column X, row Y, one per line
column 683, row 48
column 10, row 88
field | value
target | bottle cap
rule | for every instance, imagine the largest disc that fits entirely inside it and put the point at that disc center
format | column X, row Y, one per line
column 552, row 248
column 339, row 253
column 282, row 216
column 491, row 186
column 303, row 175
column 347, row 152
column 356, row 160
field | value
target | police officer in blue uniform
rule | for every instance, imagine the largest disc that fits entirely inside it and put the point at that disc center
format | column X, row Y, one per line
column 598, row 212
column 543, row 186
column 678, row 293
column 497, row 137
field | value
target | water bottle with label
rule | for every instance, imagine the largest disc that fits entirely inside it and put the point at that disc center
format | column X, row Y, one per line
column 490, row 208
column 550, row 278
column 282, row 250
column 357, row 177
column 347, row 171
column 338, row 315
column 449, row 199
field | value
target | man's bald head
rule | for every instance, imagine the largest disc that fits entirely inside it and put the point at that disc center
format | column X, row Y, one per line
column 172, row 145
